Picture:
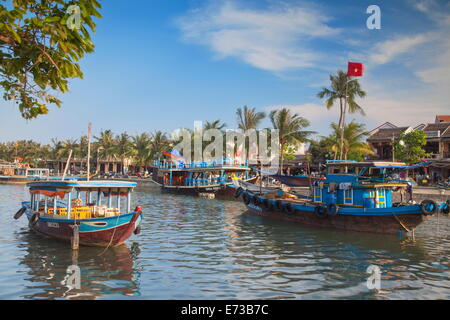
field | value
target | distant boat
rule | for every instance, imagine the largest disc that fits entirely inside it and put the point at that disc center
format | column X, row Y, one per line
column 88, row 222
column 355, row 196
column 213, row 179
column 23, row 174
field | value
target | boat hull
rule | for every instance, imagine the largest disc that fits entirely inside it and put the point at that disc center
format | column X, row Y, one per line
column 24, row 180
column 221, row 192
column 383, row 223
column 16, row 180
column 103, row 232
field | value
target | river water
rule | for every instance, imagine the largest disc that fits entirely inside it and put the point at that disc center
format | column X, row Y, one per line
column 192, row 248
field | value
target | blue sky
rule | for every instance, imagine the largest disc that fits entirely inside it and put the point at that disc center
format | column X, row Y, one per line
column 161, row 65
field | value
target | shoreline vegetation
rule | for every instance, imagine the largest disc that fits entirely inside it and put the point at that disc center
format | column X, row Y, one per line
column 345, row 142
column 145, row 147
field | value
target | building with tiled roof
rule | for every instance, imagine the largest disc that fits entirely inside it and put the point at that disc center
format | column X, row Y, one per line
column 380, row 139
column 442, row 118
column 438, row 143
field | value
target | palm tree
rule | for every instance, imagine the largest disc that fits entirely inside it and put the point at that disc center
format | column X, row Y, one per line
column 354, row 136
column 158, row 144
column 341, row 87
column 123, row 148
column 141, row 144
column 248, row 118
column 67, row 145
column 106, row 145
column 214, row 125
column 290, row 127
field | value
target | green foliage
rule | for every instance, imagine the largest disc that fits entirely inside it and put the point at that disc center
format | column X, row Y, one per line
column 289, row 152
column 354, row 146
column 39, row 52
column 322, row 150
column 408, row 147
column 248, row 118
column 290, row 128
column 343, row 86
column 142, row 148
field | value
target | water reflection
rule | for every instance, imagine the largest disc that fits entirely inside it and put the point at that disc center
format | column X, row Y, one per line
column 103, row 273
column 193, row 248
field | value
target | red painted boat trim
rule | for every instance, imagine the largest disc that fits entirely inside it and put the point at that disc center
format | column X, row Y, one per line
column 101, row 238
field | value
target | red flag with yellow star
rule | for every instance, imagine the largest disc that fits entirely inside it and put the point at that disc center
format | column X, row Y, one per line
column 355, row 69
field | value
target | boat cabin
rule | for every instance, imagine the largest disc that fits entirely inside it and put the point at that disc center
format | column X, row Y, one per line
column 15, row 170
column 80, row 199
column 362, row 184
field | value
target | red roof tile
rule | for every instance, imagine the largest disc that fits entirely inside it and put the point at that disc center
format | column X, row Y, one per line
column 443, row 118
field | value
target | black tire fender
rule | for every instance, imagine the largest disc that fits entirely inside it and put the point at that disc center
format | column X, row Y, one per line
column 238, row 192
column 446, row 209
column 34, row 219
column 424, row 207
column 267, row 204
column 279, row 205
column 289, row 208
column 321, row 211
column 246, row 198
column 332, row 209
column 20, row 213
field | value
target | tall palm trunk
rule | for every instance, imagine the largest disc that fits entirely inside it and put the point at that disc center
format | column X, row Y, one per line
column 342, row 127
column 281, row 157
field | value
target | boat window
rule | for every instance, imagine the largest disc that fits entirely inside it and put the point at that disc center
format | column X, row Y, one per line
column 376, row 172
column 317, row 194
column 20, row 172
column 350, row 170
column 334, row 170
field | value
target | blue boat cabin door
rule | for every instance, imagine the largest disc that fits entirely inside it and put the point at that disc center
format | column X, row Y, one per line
column 381, row 197
column 348, row 196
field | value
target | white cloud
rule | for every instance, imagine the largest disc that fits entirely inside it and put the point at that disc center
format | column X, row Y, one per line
column 388, row 50
column 435, row 11
column 273, row 39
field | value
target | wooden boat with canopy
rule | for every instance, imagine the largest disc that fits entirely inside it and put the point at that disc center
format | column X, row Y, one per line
column 212, row 179
column 89, row 212
column 355, row 196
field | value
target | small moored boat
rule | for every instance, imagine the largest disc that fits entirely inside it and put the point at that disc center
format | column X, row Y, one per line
column 82, row 218
column 21, row 174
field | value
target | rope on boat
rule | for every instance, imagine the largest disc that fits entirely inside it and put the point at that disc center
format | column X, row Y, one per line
column 401, row 223
column 112, row 237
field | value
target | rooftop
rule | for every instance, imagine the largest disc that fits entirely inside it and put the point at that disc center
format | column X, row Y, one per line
column 95, row 184
column 387, row 133
column 443, row 118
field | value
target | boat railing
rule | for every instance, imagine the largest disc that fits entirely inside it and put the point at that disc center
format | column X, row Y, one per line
column 383, row 180
column 199, row 165
column 189, row 182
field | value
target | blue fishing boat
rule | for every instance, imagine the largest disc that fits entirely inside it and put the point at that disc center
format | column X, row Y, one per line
column 85, row 212
column 357, row 196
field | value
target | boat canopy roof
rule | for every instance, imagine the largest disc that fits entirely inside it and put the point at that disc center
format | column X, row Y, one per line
column 122, row 186
column 377, row 164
